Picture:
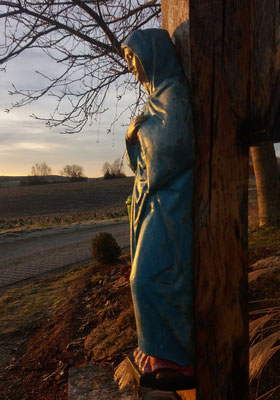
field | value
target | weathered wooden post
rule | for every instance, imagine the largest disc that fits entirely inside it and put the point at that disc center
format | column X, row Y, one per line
column 235, row 87
column 220, row 51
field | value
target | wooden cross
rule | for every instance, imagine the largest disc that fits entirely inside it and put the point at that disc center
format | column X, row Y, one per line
column 235, row 79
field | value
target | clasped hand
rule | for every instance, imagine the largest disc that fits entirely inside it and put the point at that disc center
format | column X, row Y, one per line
column 132, row 132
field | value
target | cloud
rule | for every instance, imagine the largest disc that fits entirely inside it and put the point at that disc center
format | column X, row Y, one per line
column 32, row 146
column 25, row 141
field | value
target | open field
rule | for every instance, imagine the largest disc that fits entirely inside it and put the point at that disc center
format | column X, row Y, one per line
column 71, row 197
column 63, row 203
column 29, row 207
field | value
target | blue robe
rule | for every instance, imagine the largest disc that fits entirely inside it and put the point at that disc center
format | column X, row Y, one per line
column 161, row 224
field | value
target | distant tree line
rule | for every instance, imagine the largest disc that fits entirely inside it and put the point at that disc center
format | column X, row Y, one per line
column 41, row 174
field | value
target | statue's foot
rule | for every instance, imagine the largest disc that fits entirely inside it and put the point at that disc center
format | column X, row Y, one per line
column 162, row 374
column 149, row 364
column 128, row 373
column 168, row 380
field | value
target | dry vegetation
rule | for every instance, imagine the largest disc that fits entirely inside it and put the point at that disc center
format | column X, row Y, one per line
column 82, row 316
column 264, row 296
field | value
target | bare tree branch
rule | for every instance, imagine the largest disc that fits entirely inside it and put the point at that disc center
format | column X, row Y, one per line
column 83, row 37
column 99, row 20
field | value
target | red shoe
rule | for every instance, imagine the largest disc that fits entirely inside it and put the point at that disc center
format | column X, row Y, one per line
column 162, row 374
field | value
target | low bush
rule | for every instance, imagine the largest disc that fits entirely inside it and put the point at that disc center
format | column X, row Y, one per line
column 109, row 175
column 105, row 249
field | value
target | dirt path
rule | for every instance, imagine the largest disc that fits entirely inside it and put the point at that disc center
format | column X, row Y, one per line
column 30, row 254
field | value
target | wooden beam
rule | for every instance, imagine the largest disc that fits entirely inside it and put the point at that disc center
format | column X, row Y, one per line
column 220, row 59
column 264, row 83
column 220, row 51
column 174, row 13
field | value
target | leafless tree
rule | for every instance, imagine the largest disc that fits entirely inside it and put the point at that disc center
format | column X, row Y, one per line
column 114, row 170
column 106, row 168
column 41, row 169
column 74, row 172
column 84, row 38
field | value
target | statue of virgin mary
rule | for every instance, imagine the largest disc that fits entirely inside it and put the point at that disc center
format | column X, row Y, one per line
column 160, row 151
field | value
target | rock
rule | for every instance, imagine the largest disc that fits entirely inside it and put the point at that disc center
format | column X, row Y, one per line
column 95, row 382
column 151, row 394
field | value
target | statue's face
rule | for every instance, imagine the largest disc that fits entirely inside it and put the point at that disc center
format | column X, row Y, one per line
column 134, row 65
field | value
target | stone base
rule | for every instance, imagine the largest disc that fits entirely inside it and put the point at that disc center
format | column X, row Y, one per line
column 128, row 375
column 151, row 394
column 142, row 393
column 95, row 382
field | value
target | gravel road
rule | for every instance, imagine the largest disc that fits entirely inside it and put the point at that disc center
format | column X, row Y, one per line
column 27, row 255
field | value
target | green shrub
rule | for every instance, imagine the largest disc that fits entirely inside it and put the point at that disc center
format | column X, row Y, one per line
column 105, row 249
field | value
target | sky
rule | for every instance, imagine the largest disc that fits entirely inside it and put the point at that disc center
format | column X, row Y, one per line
column 25, row 141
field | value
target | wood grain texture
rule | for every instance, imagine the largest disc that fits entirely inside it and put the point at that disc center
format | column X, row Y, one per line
column 264, row 112
column 220, row 51
column 263, row 69
column 175, row 19
column 173, row 14
column 220, row 71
